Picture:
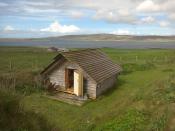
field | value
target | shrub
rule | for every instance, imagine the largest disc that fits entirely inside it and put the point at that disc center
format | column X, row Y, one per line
column 26, row 87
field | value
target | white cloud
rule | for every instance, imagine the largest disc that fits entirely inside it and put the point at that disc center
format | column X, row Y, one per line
column 115, row 16
column 171, row 16
column 148, row 6
column 148, row 19
column 56, row 27
column 132, row 13
column 122, row 32
column 37, row 10
column 76, row 14
column 168, row 6
column 36, row 3
column 164, row 23
column 8, row 28
column 124, row 12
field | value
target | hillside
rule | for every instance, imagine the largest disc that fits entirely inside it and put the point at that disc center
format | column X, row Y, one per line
column 112, row 37
column 97, row 37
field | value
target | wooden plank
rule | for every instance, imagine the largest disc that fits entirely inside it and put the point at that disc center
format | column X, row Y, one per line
column 78, row 83
column 66, row 79
column 81, row 83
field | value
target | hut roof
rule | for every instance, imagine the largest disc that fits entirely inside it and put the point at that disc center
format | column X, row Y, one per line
column 93, row 61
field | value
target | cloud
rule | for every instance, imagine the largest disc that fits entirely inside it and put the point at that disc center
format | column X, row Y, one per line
column 148, row 6
column 36, row 3
column 76, row 14
column 89, row 14
column 114, row 16
column 122, row 32
column 35, row 10
column 56, row 27
column 164, row 23
column 8, row 28
column 148, row 19
column 172, row 16
column 168, row 6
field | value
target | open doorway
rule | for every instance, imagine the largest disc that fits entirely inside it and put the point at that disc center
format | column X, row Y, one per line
column 69, row 79
column 74, row 82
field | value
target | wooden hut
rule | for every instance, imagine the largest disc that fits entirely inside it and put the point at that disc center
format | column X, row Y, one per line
column 87, row 72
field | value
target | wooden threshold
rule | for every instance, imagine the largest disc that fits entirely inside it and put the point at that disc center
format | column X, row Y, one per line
column 69, row 90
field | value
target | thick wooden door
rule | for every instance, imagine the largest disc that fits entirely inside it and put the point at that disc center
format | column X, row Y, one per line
column 78, row 83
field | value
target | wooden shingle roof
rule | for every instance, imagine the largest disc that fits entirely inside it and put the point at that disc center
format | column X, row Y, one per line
column 94, row 62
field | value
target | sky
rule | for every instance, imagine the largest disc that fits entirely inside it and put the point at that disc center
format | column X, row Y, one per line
column 44, row 18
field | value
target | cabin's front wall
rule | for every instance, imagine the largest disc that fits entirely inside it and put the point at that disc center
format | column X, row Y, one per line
column 106, row 84
column 57, row 77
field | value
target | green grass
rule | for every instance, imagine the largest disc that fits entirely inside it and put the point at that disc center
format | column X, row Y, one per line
column 143, row 99
column 14, row 117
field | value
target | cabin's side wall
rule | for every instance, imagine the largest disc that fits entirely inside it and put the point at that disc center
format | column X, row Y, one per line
column 106, row 84
column 89, row 86
column 57, row 77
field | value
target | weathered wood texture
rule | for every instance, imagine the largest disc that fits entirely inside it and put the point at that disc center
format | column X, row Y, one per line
column 57, row 77
column 106, row 84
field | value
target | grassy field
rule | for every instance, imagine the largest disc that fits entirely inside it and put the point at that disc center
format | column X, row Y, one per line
column 143, row 99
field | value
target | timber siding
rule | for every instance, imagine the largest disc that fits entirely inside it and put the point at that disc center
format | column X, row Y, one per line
column 90, row 88
column 57, row 77
column 106, row 84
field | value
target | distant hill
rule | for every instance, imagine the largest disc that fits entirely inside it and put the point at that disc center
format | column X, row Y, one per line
column 98, row 37
column 112, row 37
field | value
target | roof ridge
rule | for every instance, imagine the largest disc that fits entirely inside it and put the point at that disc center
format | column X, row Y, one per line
column 76, row 51
column 79, row 50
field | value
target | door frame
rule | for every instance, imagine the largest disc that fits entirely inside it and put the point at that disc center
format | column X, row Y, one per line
column 67, row 77
column 80, row 83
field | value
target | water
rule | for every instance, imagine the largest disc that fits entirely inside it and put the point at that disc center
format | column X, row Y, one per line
column 92, row 44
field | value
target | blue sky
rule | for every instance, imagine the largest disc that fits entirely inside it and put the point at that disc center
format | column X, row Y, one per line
column 42, row 18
